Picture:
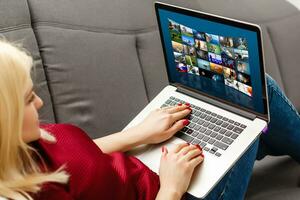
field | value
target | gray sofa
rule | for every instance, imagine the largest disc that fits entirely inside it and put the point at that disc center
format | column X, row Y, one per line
column 99, row 62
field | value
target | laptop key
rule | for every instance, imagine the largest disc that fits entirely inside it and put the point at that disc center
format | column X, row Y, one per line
column 211, row 141
column 211, row 126
column 184, row 137
column 228, row 133
column 200, row 136
column 219, row 116
column 227, row 140
column 230, row 127
column 220, row 145
column 205, row 138
column 207, row 118
column 202, row 116
column 197, row 113
column 237, row 124
column 206, row 124
column 192, row 125
column 201, row 121
column 231, row 121
column 195, row 133
column 213, row 114
column 224, row 125
column 219, row 122
column 212, row 152
column 208, row 132
column 196, row 141
column 171, row 97
column 213, row 135
column 206, row 149
column 184, row 129
column 222, row 131
column 197, row 127
column 217, row 128
column 208, row 112
column 202, row 130
column 214, row 149
column 213, row 120
column 203, row 144
column 238, row 130
column 195, row 120
column 225, row 119
column 234, row 136
column 218, row 154
column 190, row 131
column 219, row 137
column 243, row 126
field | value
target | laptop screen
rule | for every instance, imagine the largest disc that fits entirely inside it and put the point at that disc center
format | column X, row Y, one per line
column 214, row 56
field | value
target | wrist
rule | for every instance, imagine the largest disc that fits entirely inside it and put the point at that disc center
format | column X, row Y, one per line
column 168, row 194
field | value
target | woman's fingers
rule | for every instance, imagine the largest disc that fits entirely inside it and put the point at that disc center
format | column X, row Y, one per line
column 178, row 147
column 195, row 152
column 178, row 108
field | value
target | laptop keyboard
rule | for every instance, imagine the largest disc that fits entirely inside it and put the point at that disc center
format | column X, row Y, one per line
column 213, row 132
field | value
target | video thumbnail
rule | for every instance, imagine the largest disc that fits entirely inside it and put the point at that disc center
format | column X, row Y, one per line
column 177, row 47
column 216, row 68
column 175, row 32
column 180, row 67
column 226, row 41
column 193, row 70
column 212, row 39
column 215, row 58
column 240, row 43
column 203, row 64
column 202, row 54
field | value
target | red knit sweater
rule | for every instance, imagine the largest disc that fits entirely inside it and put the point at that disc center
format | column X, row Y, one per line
column 94, row 175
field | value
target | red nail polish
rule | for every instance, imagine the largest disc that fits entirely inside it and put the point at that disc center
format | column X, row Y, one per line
column 180, row 104
column 202, row 155
column 189, row 108
column 198, row 146
column 163, row 149
column 187, row 143
column 187, row 104
column 185, row 122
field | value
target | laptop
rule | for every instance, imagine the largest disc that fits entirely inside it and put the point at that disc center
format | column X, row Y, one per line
column 216, row 64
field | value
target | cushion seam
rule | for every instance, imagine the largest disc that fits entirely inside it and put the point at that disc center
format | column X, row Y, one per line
column 94, row 29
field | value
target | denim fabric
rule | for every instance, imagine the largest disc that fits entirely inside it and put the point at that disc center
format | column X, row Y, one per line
column 282, row 138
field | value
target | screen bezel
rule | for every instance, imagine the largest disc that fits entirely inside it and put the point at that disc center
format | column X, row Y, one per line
column 214, row 18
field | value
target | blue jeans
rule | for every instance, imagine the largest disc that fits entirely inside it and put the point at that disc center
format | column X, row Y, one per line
column 283, row 138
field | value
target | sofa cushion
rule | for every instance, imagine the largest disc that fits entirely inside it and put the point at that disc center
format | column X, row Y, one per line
column 92, row 62
column 16, row 27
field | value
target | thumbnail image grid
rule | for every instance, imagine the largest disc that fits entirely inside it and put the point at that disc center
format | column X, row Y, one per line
column 222, row 59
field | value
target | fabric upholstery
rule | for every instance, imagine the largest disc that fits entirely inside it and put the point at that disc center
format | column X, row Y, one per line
column 15, row 26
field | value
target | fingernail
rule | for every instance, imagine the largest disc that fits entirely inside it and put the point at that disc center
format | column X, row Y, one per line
column 202, row 155
column 187, row 104
column 188, row 108
column 198, row 146
column 187, row 143
column 180, row 104
column 185, row 122
column 163, row 149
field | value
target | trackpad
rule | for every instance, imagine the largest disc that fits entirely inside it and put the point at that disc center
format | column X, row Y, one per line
column 152, row 156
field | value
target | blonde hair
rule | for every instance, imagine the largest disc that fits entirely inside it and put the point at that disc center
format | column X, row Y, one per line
column 20, row 173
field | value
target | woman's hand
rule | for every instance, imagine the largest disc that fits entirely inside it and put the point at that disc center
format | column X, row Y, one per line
column 176, row 169
column 162, row 124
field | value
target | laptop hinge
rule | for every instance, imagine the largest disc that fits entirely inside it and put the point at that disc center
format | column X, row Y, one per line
column 214, row 102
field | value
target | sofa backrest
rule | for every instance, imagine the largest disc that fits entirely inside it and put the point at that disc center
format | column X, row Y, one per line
column 100, row 62
column 15, row 25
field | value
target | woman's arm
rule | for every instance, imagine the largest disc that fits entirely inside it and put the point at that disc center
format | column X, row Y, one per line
column 159, row 125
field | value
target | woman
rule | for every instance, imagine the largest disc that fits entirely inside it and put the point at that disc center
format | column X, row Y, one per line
column 60, row 161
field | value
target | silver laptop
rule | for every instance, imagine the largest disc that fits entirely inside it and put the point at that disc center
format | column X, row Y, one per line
column 215, row 64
